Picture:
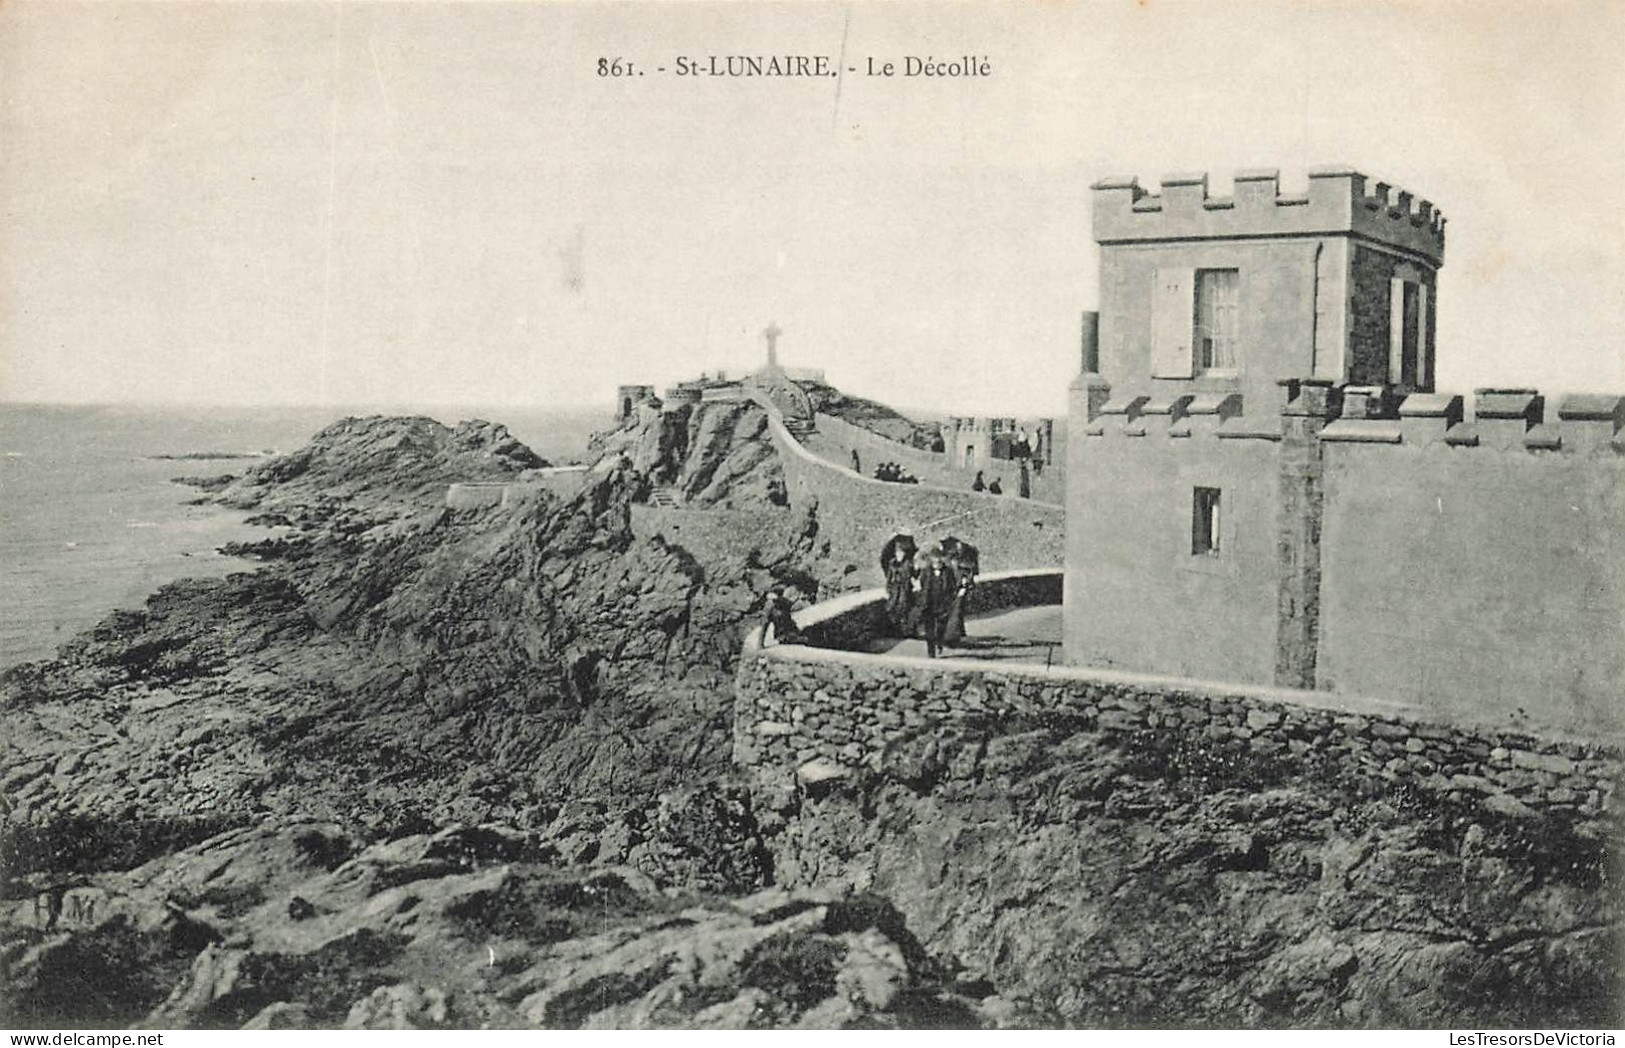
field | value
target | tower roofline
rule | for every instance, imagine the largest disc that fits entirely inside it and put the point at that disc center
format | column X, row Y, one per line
column 1340, row 202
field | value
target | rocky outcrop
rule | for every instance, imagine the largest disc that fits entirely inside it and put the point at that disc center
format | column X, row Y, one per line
column 714, row 456
column 875, row 417
column 395, row 667
column 304, row 926
column 381, row 465
column 1101, row 881
column 399, row 664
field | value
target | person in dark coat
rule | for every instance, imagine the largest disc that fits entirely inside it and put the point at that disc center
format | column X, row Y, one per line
column 857, row 464
column 897, row 562
column 938, row 588
column 777, row 622
column 965, row 561
column 978, row 484
column 1024, row 484
column 995, row 488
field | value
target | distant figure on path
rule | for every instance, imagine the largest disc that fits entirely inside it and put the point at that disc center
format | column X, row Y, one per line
column 1024, row 484
column 978, row 484
column 778, row 623
column 857, row 465
column 897, row 562
column 995, row 488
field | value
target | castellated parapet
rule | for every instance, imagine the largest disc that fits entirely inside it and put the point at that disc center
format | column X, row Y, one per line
column 1523, row 420
column 1459, row 552
column 1339, row 202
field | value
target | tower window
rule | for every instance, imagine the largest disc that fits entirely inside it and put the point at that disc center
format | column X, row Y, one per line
column 1407, row 338
column 1205, row 522
column 1217, row 322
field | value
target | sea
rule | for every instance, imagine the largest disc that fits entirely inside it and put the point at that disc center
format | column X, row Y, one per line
column 91, row 519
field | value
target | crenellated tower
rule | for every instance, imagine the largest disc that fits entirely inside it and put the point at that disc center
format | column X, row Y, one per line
column 1204, row 293
column 1264, row 486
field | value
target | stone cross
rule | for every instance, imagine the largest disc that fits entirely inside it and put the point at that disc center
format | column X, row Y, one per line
column 772, row 333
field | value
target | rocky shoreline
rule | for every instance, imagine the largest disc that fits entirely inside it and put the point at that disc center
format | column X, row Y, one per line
column 435, row 768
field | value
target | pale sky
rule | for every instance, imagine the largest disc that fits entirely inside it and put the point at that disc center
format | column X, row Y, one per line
column 443, row 203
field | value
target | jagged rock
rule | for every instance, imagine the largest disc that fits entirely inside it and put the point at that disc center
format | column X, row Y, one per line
column 280, row 1016
column 513, row 937
column 1099, row 884
column 404, row 1006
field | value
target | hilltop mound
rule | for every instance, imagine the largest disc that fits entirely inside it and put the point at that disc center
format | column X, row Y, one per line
column 872, row 416
column 382, row 464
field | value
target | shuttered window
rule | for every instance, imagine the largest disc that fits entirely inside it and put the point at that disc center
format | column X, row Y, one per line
column 1172, row 310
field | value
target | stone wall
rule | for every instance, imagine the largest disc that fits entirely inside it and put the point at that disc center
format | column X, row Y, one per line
column 1144, row 601
column 476, row 495
column 811, row 715
column 1476, row 580
column 1473, row 569
column 836, row 439
column 857, row 514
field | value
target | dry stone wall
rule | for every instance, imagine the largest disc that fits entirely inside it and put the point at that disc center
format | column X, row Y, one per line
column 814, row 715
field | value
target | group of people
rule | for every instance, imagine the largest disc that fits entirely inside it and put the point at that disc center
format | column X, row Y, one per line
column 994, row 488
column 891, row 471
column 887, row 471
column 926, row 589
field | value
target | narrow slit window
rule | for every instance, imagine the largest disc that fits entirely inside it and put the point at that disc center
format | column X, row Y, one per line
column 1205, row 522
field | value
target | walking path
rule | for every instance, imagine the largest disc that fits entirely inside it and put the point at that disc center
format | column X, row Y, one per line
column 1030, row 634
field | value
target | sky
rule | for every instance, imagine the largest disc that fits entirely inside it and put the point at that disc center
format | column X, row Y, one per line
column 343, row 203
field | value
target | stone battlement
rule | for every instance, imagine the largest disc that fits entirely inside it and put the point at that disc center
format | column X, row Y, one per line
column 1505, row 420
column 1339, row 202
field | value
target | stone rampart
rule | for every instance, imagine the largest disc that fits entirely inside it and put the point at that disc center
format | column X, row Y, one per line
column 931, row 467
column 815, row 714
column 857, row 514
column 476, row 495
column 1462, row 555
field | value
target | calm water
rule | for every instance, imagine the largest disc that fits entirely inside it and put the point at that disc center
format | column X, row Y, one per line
column 90, row 521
